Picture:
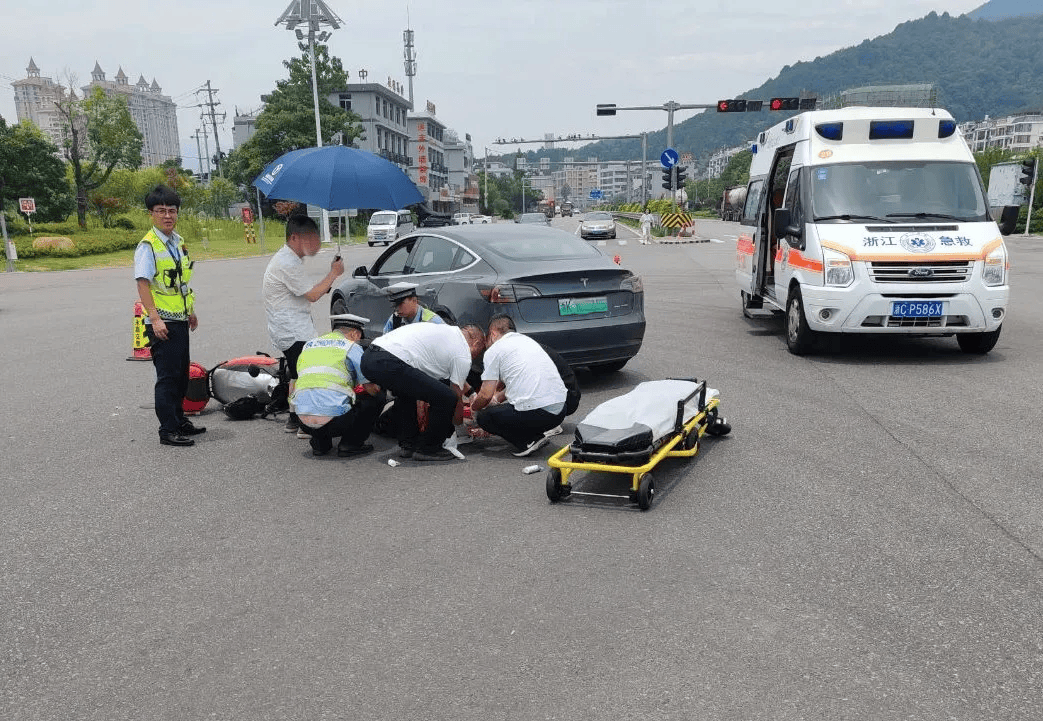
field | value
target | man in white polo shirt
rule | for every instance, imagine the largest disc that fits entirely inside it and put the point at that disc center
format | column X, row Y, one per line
column 289, row 292
column 532, row 400
column 427, row 362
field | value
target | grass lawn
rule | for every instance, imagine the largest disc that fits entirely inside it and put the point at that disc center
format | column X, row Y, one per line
column 207, row 239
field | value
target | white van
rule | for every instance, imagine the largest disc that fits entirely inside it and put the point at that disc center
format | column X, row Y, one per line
column 871, row 220
column 386, row 226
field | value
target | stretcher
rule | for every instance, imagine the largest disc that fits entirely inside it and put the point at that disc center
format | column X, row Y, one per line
column 632, row 433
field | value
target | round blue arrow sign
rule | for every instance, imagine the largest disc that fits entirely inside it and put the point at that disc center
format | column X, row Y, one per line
column 669, row 158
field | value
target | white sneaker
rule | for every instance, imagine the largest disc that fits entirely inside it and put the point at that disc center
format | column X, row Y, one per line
column 557, row 430
column 303, row 432
column 532, row 447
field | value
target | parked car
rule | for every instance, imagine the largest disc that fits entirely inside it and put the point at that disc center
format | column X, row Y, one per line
column 596, row 225
column 478, row 219
column 462, row 218
column 533, row 218
column 558, row 289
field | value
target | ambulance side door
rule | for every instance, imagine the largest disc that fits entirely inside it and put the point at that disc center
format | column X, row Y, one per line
column 794, row 202
column 766, row 241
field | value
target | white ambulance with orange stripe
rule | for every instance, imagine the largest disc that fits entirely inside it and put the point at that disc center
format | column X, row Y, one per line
column 871, row 220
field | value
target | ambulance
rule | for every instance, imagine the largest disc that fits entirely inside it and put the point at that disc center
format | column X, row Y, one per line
column 871, row 220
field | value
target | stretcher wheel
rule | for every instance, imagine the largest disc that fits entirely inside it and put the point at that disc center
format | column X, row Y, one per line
column 719, row 427
column 691, row 439
column 555, row 489
column 645, row 491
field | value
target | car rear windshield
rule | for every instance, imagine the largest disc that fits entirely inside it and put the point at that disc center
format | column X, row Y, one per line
column 543, row 247
column 383, row 219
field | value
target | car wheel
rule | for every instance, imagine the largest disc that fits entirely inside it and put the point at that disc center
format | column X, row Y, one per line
column 800, row 339
column 369, row 243
column 445, row 314
column 979, row 343
column 338, row 306
column 612, row 367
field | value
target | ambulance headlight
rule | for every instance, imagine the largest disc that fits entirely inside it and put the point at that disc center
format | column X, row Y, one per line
column 995, row 272
column 837, row 267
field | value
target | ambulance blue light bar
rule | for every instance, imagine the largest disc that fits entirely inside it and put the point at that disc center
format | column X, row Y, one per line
column 891, row 130
column 830, row 131
column 946, row 128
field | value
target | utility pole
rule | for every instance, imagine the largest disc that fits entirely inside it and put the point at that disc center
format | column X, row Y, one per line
column 213, row 121
column 206, row 147
column 199, row 151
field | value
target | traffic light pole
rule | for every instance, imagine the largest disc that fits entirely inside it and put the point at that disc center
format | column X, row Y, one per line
column 670, row 107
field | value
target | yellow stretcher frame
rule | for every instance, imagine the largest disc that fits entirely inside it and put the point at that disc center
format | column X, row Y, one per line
column 642, row 487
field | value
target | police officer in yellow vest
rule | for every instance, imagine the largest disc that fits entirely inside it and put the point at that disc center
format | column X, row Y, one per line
column 332, row 398
column 407, row 307
column 163, row 272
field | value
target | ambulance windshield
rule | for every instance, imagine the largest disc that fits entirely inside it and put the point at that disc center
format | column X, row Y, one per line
column 897, row 192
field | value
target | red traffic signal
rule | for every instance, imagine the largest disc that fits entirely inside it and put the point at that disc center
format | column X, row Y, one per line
column 737, row 105
column 784, row 104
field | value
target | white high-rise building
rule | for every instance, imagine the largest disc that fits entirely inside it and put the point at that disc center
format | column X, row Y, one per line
column 155, row 114
column 34, row 100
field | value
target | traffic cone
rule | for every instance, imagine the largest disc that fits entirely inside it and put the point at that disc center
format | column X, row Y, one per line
column 140, row 347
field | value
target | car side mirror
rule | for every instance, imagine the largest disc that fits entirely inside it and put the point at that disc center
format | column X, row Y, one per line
column 784, row 225
column 360, row 272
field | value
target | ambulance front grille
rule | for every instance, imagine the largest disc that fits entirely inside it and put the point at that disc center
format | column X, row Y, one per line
column 944, row 271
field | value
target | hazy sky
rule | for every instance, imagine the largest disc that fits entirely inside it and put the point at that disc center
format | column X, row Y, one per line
column 493, row 69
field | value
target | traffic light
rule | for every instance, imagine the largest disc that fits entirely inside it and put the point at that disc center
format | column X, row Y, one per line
column 808, row 103
column 737, row 105
column 606, row 109
column 1028, row 170
column 668, row 178
column 784, row 104
column 680, row 177
column 754, row 106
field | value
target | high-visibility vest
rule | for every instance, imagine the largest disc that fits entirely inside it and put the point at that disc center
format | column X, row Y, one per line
column 323, row 364
column 171, row 293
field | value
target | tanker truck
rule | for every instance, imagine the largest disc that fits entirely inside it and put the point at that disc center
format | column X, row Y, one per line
column 732, row 201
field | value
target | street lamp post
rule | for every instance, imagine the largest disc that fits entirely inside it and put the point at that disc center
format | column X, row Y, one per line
column 313, row 14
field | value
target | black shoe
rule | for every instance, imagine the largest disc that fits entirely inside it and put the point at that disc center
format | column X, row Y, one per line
column 188, row 429
column 434, row 455
column 349, row 451
column 319, row 448
column 174, row 439
column 405, row 451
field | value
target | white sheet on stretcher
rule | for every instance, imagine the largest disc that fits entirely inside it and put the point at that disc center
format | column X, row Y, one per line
column 653, row 404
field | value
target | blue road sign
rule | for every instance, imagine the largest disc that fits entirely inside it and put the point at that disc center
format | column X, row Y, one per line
column 669, row 158
column 595, row 194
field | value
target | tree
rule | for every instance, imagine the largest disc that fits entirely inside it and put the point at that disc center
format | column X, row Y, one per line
column 288, row 119
column 30, row 168
column 99, row 135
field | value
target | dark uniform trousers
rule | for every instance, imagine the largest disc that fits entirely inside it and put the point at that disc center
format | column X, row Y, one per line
column 520, row 428
column 353, row 428
column 410, row 385
column 171, row 359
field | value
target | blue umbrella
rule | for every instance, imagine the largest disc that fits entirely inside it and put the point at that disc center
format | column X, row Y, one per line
column 335, row 177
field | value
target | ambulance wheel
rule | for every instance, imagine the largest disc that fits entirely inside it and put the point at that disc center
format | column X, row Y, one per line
column 645, row 492
column 555, row 490
column 800, row 339
column 979, row 343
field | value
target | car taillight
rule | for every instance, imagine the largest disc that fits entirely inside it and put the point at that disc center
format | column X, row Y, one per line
column 508, row 293
column 632, row 283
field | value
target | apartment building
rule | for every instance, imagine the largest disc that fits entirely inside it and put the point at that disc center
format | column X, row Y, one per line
column 34, row 99
column 384, row 114
column 1016, row 133
column 154, row 113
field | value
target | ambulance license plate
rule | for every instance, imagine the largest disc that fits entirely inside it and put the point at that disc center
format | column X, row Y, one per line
column 582, row 306
column 917, row 308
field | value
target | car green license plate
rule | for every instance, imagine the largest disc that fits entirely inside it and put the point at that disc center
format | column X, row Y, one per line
column 582, row 306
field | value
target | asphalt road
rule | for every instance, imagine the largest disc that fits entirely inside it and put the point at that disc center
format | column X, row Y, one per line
column 866, row 544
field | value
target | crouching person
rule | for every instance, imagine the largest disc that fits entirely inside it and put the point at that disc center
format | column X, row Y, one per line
column 332, row 397
column 522, row 394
